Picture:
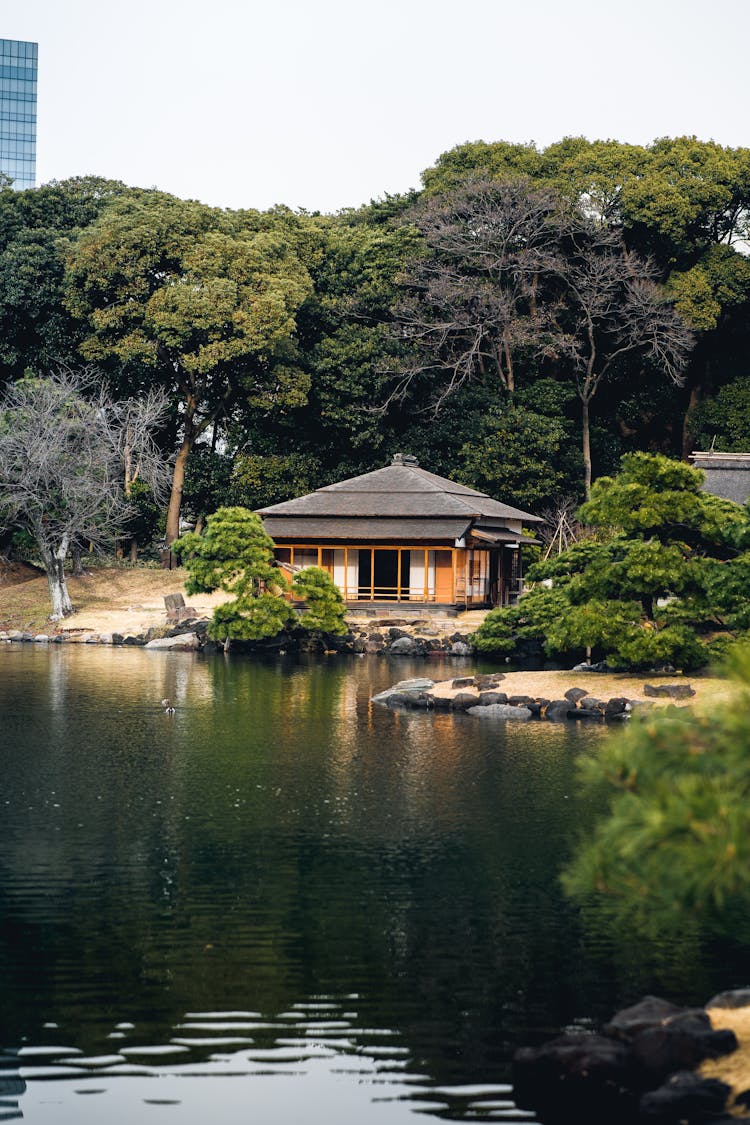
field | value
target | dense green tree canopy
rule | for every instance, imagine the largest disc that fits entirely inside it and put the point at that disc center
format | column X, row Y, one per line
column 681, row 202
column 36, row 329
column 674, row 840
column 660, row 583
column 276, row 336
column 196, row 298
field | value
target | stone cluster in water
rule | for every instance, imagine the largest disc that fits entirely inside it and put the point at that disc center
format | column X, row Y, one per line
column 479, row 696
column 183, row 637
column 639, row 1068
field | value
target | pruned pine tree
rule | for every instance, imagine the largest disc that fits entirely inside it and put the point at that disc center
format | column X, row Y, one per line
column 235, row 554
column 673, row 842
column 325, row 606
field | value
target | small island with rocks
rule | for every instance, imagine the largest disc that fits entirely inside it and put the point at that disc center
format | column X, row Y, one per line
column 498, row 696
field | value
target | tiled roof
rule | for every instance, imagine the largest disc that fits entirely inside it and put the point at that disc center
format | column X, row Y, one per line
column 400, row 490
column 727, row 474
column 305, row 529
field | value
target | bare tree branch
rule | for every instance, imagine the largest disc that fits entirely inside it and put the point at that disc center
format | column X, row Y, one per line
column 67, row 454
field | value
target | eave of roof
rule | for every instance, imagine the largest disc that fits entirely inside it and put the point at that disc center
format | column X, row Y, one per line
column 401, row 491
column 304, row 529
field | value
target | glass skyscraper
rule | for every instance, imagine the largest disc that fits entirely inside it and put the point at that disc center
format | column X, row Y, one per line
column 18, row 66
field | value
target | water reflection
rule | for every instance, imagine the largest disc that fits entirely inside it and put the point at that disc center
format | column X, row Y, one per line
column 283, row 880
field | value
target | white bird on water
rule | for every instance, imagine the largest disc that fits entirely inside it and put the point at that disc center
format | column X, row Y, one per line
column 167, row 705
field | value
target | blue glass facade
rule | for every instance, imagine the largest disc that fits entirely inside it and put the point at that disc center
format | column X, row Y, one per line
column 18, row 69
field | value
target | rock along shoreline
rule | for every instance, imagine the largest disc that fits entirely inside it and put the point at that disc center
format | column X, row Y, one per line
column 482, row 697
column 653, row 1062
column 183, row 631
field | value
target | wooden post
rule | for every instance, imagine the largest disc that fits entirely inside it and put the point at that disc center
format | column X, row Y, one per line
column 372, row 574
column 346, row 574
column 453, row 573
column 398, row 576
column 320, row 556
column 426, row 574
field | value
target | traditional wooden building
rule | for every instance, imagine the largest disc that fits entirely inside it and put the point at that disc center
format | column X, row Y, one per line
column 404, row 535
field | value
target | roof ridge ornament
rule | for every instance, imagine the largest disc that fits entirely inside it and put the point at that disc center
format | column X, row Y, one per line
column 404, row 459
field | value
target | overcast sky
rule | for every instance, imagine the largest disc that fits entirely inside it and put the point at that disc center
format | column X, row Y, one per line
column 325, row 104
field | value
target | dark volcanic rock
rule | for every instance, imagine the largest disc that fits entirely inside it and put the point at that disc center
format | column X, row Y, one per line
column 651, row 1011
column 463, row 700
column 616, row 706
column 463, row 681
column 581, row 1079
column 574, row 694
column 487, row 698
column 735, row 998
column 558, row 709
column 396, row 634
column 488, row 681
column 641, row 1069
column 659, row 1051
column 420, row 701
column 686, row 1097
column 399, row 699
column 669, row 691
column 406, row 646
column 441, row 702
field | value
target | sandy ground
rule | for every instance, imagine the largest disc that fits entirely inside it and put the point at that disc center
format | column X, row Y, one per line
column 127, row 600
column 107, row 600
column 733, row 1069
column 553, row 685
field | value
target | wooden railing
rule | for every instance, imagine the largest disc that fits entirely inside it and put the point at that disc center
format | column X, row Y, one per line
column 388, row 594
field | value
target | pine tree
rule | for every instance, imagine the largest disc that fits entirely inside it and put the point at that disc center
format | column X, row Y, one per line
column 675, row 840
column 235, row 554
column 662, row 582
column 325, row 606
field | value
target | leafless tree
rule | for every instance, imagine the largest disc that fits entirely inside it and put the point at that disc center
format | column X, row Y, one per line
column 614, row 311
column 510, row 270
column 67, row 452
column 561, row 527
column 479, row 295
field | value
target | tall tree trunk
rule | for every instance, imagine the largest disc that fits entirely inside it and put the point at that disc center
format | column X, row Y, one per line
column 54, row 565
column 134, row 550
column 175, row 498
column 586, row 448
column 688, row 437
column 77, row 570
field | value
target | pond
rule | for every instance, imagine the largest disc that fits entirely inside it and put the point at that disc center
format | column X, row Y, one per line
column 284, row 903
